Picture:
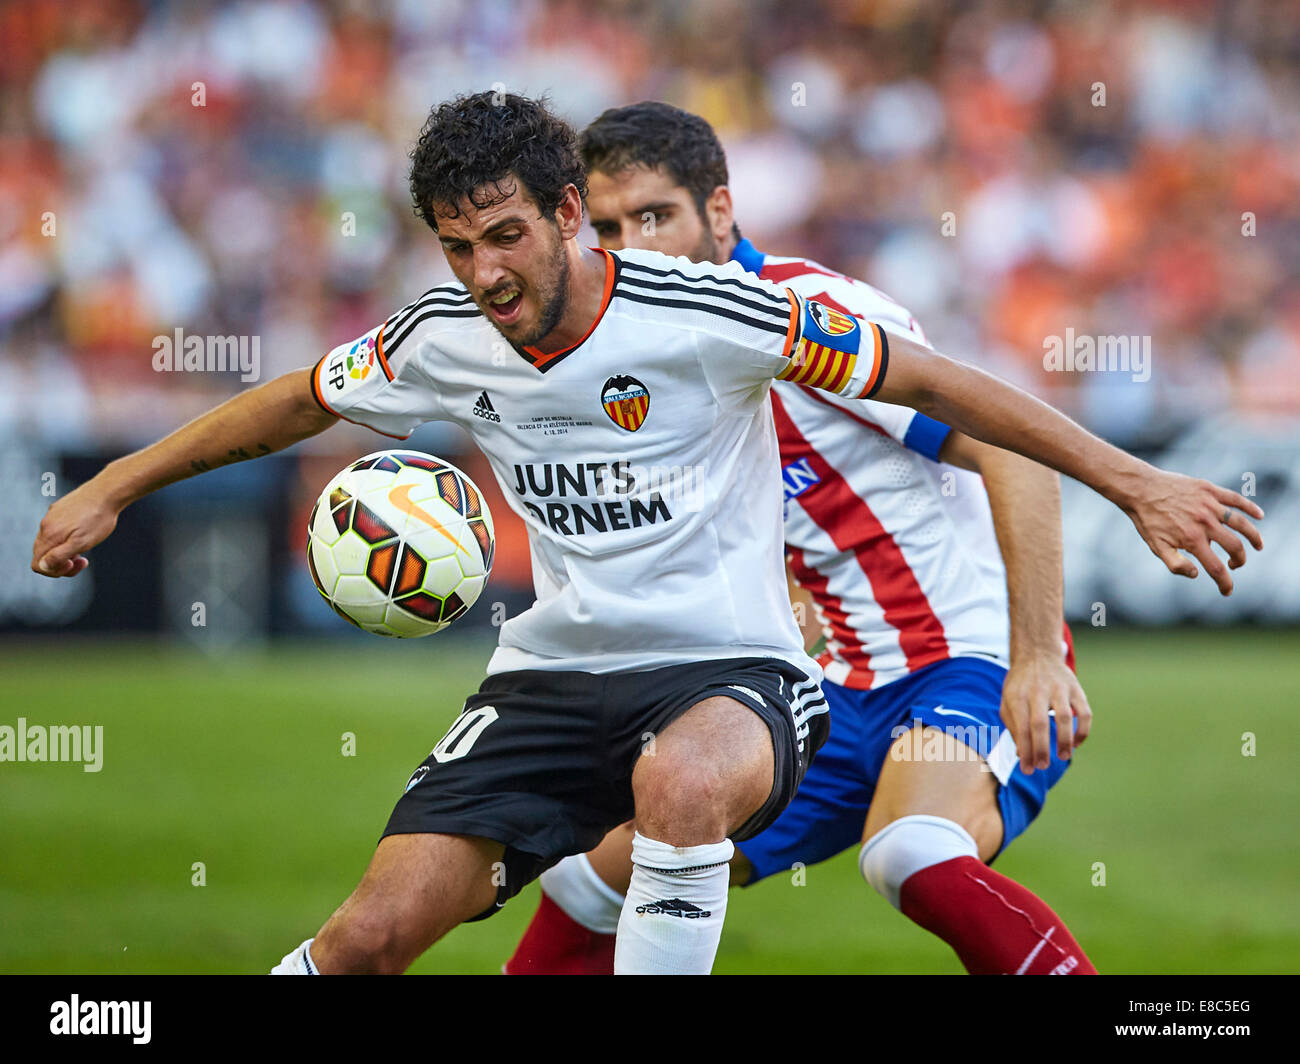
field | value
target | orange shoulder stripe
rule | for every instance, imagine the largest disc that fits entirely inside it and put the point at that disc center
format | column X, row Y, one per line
column 794, row 322
column 877, row 361
column 379, row 347
column 316, row 390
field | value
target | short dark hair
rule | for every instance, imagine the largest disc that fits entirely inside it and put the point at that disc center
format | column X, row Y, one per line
column 653, row 135
column 471, row 144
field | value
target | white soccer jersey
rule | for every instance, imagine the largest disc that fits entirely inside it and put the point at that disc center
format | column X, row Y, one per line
column 897, row 550
column 643, row 459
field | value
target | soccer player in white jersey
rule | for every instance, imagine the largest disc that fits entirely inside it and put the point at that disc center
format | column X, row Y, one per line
column 898, row 553
column 661, row 607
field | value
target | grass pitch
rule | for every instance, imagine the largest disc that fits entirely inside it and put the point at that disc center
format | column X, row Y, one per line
column 1165, row 848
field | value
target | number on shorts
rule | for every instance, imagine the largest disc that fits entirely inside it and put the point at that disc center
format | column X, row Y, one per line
column 463, row 734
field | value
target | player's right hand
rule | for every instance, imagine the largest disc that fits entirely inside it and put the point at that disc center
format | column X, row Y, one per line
column 77, row 522
column 1175, row 513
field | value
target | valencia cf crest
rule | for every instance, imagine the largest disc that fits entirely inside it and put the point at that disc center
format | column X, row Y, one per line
column 626, row 401
column 831, row 322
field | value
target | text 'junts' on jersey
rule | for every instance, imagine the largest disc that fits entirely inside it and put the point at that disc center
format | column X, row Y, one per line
column 643, row 458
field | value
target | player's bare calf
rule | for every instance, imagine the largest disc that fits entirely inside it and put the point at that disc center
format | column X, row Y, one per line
column 417, row 888
column 930, row 773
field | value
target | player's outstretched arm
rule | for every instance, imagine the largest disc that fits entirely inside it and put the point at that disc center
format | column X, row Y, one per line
column 1172, row 512
column 265, row 419
column 1025, row 500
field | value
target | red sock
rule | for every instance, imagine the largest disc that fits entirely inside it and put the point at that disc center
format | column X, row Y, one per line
column 996, row 926
column 556, row 944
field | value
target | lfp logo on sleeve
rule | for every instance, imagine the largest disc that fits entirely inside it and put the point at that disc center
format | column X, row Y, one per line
column 361, row 358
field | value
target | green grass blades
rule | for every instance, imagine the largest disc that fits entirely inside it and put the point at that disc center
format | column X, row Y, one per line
column 268, row 778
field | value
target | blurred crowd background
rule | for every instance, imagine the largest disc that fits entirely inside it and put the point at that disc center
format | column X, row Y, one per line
column 1008, row 170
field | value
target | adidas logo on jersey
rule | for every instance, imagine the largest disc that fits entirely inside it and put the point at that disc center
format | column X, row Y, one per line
column 483, row 408
column 674, row 907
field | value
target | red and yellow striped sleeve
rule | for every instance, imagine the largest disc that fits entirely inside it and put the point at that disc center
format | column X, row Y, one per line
column 834, row 351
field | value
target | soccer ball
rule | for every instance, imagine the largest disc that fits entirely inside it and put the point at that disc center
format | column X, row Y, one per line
column 400, row 543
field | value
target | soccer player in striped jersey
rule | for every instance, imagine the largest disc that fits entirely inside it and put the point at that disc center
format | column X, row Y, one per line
column 890, row 533
column 634, row 437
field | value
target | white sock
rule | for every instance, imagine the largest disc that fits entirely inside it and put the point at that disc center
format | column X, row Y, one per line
column 574, row 886
column 905, row 846
column 297, row 962
column 672, row 919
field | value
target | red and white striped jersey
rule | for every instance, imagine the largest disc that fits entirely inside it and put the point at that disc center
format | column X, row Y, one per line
column 897, row 549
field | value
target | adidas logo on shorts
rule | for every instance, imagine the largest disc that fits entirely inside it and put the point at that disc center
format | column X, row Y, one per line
column 483, row 408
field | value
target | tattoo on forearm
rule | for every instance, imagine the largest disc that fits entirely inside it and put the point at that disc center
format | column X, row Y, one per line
column 237, row 454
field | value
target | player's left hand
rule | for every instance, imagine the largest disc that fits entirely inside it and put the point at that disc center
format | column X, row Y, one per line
column 1176, row 513
column 1037, row 683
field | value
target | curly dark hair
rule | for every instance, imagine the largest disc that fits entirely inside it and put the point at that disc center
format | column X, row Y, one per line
column 471, row 147
column 653, row 135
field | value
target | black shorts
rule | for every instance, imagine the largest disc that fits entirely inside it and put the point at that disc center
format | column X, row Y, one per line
column 542, row 761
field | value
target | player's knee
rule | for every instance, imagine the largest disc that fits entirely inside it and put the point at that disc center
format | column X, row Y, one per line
column 683, row 804
column 907, row 845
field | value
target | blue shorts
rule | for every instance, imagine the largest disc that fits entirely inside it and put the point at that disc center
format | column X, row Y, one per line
column 961, row 696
